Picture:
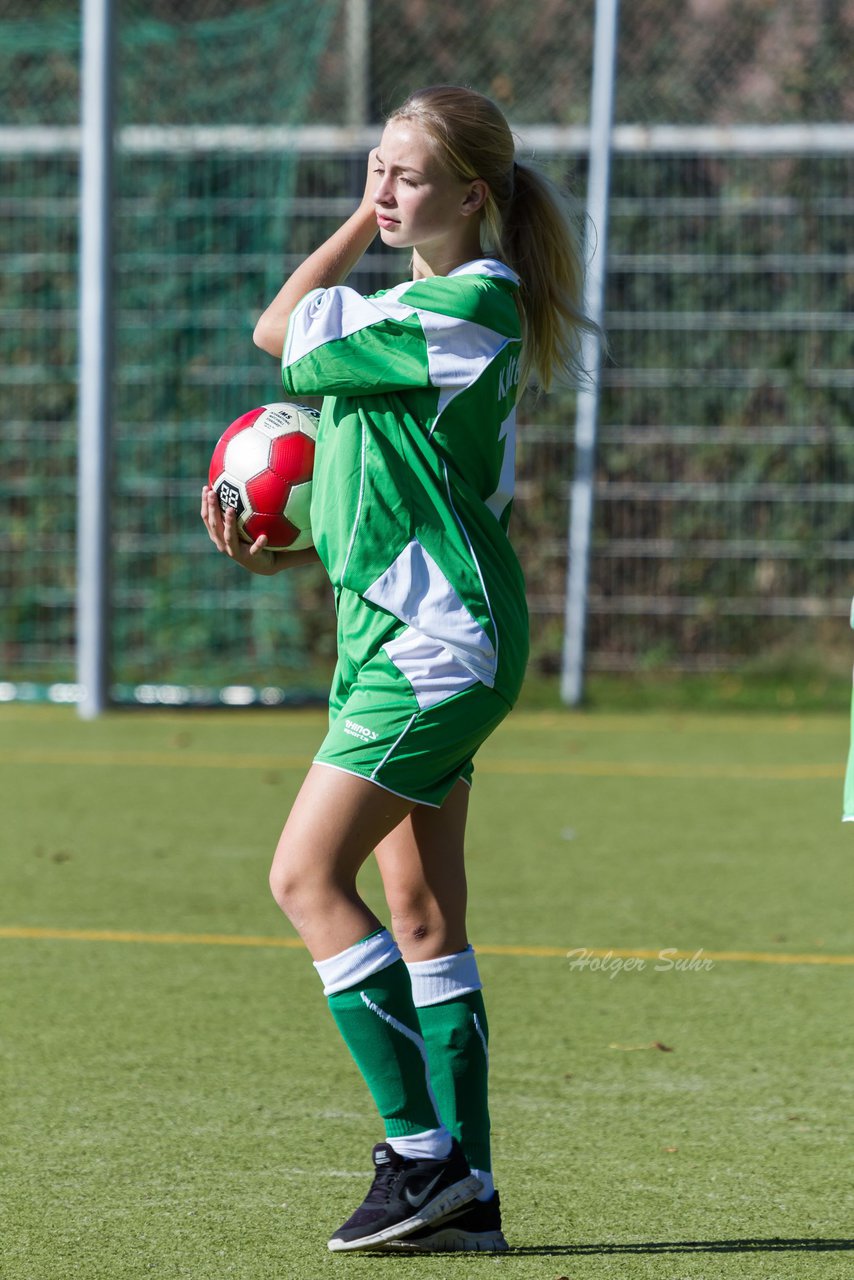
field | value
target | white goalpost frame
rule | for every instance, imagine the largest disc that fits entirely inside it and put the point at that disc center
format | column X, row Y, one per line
column 587, row 407
column 358, row 43
column 552, row 139
column 95, row 360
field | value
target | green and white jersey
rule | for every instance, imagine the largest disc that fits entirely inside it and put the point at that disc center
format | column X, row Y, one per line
column 414, row 472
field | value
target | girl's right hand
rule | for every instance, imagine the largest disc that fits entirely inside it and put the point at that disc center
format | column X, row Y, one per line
column 372, row 180
column 257, row 558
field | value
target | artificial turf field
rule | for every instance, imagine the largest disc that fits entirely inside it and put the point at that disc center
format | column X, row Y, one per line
column 175, row 1099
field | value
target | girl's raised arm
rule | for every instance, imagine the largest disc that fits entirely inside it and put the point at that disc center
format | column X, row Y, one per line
column 328, row 265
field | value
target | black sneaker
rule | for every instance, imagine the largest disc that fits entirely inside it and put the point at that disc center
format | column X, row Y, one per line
column 476, row 1227
column 406, row 1195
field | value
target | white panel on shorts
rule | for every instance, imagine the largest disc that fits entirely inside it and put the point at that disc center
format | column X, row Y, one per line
column 433, row 671
column 415, row 589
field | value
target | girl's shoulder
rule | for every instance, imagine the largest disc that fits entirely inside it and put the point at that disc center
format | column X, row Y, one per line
column 482, row 292
column 484, row 268
column 481, row 275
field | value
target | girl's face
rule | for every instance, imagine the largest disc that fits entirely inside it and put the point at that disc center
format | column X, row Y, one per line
column 420, row 205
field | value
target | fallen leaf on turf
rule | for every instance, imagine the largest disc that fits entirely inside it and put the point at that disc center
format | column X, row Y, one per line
column 654, row 1044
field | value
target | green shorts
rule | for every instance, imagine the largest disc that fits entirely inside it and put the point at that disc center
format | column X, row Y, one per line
column 378, row 730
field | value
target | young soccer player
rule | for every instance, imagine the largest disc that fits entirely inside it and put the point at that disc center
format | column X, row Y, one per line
column 410, row 507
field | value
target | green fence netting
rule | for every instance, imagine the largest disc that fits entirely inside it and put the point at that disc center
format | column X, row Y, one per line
column 725, row 468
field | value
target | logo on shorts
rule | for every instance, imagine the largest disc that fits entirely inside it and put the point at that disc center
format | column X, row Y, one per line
column 360, row 731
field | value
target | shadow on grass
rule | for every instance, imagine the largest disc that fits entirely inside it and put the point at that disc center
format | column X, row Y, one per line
column 775, row 1244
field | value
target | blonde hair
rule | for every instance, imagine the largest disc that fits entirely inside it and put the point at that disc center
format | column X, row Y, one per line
column 525, row 223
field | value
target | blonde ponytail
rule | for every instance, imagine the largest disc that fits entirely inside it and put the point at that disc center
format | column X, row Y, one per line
column 539, row 242
column 525, row 224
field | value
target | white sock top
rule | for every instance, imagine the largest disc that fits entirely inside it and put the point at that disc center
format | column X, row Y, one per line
column 357, row 963
column 445, row 978
column 432, row 1144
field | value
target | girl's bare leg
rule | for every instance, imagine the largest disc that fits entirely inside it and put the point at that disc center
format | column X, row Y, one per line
column 336, row 822
column 423, row 871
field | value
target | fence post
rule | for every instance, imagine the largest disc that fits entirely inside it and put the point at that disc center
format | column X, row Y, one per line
column 95, row 358
column 358, row 39
column 587, row 409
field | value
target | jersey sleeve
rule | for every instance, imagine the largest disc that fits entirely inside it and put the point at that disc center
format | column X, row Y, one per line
column 341, row 343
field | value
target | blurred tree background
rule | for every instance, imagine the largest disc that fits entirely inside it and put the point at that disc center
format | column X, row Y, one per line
column 725, row 473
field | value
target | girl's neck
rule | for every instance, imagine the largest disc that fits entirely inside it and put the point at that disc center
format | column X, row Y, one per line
column 442, row 260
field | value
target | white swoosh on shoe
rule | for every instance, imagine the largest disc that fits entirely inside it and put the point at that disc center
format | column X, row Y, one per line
column 417, row 1201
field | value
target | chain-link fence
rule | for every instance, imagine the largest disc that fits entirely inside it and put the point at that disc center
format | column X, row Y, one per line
column 726, row 465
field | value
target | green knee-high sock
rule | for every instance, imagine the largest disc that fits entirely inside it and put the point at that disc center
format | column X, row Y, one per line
column 447, row 995
column 380, row 1026
column 456, row 1034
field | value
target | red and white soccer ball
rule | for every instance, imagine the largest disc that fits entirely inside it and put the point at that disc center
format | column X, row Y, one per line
column 262, row 467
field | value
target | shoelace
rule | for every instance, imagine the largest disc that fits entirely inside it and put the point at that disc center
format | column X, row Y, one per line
column 381, row 1187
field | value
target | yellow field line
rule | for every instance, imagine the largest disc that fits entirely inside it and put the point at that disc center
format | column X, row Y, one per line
column 122, row 935
column 33, row 932
column 649, row 769
column 179, row 759
column 153, row 759
column 675, row 722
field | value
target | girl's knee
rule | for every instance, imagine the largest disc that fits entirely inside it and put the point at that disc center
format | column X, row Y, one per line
column 283, row 887
column 304, row 890
column 291, row 879
column 409, row 928
column 416, row 920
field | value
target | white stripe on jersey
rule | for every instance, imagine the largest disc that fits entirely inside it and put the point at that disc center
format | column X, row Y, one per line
column 476, row 563
column 433, row 671
column 458, row 351
column 497, row 502
column 415, row 589
column 325, row 315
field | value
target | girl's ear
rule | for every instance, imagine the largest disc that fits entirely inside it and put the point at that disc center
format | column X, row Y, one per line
column 475, row 197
